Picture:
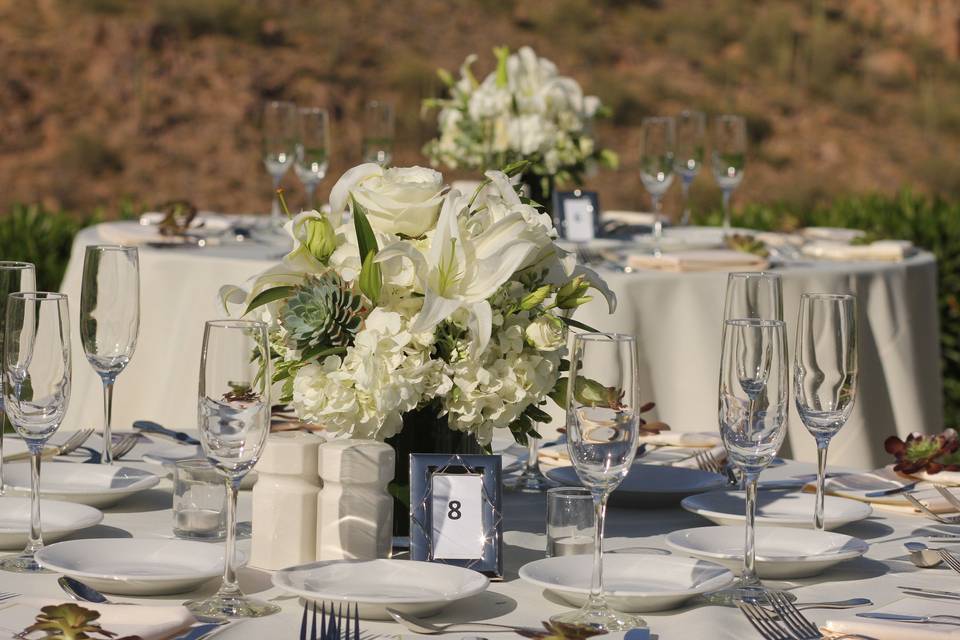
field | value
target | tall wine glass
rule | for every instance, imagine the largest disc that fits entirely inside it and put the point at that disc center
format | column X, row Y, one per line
column 36, row 390
column 825, row 373
column 109, row 319
column 729, row 157
column 279, row 129
column 378, row 128
column 691, row 132
column 656, row 166
column 234, row 417
column 753, row 422
column 313, row 149
column 602, row 428
column 531, row 479
column 14, row 277
column 753, row 294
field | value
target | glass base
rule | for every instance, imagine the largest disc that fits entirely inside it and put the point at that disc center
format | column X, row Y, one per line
column 743, row 593
column 22, row 564
column 238, row 606
column 601, row 616
column 530, row 481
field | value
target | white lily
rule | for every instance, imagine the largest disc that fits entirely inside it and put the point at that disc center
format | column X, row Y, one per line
column 460, row 271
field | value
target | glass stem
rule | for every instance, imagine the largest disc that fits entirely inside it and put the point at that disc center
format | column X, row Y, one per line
column 726, row 209
column 596, row 582
column 657, row 225
column 107, row 456
column 533, row 459
column 229, row 587
column 685, row 190
column 35, row 542
column 276, row 214
column 749, row 574
column 821, row 479
column 311, row 189
column 3, row 429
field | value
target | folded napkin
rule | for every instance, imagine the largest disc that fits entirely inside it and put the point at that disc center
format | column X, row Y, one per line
column 881, row 250
column 702, row 260
column 148, row 622
column 890, row 630
column 629, row 217
column 856, row 485
column 681, row 439
column 832, row 234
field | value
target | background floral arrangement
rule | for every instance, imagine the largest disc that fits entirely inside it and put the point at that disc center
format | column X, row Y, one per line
column 524, row 110
column 409, row 296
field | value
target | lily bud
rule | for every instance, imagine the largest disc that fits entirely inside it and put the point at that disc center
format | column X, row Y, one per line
column 321, row 239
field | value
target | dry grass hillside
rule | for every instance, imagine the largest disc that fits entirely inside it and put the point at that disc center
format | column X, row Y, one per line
column 108, row 100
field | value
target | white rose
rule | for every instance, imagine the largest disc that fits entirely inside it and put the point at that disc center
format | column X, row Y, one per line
column 544, row 334
column 403, row 200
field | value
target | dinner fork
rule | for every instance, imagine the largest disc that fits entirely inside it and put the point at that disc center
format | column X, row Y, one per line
column 122, row 447
column 796, row 622
column 936, row 516
column 337, row 627
column 72, row 444
column 952, row 499
column 763, row 621
column 708, row 461
column 952, row 561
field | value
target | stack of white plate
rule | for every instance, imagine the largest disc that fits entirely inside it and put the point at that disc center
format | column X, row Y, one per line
column 781, row 508
column 59, row 520
column 96, row 485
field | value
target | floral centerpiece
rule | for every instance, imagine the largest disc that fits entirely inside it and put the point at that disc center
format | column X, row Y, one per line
column 524, row 110
column 409, row 299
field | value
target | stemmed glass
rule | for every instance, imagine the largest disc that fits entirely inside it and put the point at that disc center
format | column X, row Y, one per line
column 378, row 127
column 753, row 422
column 531, row 479
column 602, row 429
column 825, row 373
column 36, row 390
column 656, row 166
column 313, row 149
column 729, row 157
column 234, row 417
column 109, row 319
column 753, row 294
column 691, row 131
column 14, row 277
column 279, row 140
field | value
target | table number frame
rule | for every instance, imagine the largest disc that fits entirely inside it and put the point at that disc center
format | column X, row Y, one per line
column 423, row 467
column 560, row 213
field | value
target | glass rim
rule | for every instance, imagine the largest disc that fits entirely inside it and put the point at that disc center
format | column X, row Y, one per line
column 604, row 336
column 761, row 323
column 747, row 275
column 18, row 265
column 111, row 247
column 38, row 296
column 827, row 296
column 238, row 323
column 570, row 493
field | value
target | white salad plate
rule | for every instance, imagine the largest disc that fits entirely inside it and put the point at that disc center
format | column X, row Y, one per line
column 782, row 552
column 632, row 582
column 96, row 485
column 59, row 520
column 409, row 586
column 650, row 485
column 135, row 566
column 784, row 508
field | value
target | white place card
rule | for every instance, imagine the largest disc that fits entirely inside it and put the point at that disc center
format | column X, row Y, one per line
column 457, row 516
column 579, row 219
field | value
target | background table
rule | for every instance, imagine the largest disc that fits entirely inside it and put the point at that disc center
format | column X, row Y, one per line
column 675, row 316
column 875, row 576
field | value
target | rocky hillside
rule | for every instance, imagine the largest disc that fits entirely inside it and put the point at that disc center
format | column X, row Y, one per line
column 108, row 100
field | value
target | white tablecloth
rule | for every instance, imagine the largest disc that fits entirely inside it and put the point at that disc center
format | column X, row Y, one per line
column 675, row 316
column 876, row 576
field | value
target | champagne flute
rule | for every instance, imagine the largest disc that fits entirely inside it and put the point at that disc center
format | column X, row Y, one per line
column 602, row 428
column 313, row 149
column 109, row 319
column 729, row 157
column 753, row 423
column 378, row 127
column 234, row 417
column 825, row 373
column 36, row 391
column 691, row 131
column 531, row 479
column 14, row 277
column 656, row 166
column 279, row 128
column 753, row 294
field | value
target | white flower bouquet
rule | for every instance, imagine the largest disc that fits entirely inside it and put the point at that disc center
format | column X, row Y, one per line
column 524, row 110
column 409, row 296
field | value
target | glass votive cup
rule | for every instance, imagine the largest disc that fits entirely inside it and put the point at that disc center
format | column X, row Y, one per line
column 199, row 501
column 571, row 521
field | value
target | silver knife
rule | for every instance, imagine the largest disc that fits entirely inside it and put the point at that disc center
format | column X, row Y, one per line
column 153, row 427
column 200, row 631
column 890, row 492
column 902, row 617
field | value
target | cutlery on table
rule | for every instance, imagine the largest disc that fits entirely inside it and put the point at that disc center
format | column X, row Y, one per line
column 72, row 444
column 707, row 461
column 419, row 625
column 936, row 516
column 948, row 495
column 201, row 631
column 952, row 561
column 764, row 621
column 890, row 492
column 798, row 624
column 160, row 430
column 85, row 593
column 923, row 591
column 122, row 447
column 902, row 617
column 837, row 604
column 923, row 556
column 337, row 627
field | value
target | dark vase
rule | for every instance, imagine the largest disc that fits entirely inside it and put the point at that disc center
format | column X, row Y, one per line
column 540, row 190
column 423, row 432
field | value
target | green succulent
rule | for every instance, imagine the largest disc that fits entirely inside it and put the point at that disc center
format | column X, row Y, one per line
column 323, row 313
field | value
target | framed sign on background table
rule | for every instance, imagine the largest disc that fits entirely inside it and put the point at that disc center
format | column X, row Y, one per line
column 576, row 214
column 455, row 511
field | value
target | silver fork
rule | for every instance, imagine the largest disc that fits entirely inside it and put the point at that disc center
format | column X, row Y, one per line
column 763, row 621
column 798, row 624
column 952, row 561
column 120, row 449
column 935, row 516
column 952, row 499
column 707, row 461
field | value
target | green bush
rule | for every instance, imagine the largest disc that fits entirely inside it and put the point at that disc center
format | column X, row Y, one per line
column 929, row 222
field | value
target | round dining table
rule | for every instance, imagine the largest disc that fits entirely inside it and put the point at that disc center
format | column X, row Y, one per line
column 878, row 575
column 676, row 318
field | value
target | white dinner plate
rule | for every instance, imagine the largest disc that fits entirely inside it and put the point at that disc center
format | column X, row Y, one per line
column 97, row 485
column 135, row 566
column 632, row 582
column 782, row 552
column 409, row 586
column 650, row 485
column 784, row 508
column 58, row 519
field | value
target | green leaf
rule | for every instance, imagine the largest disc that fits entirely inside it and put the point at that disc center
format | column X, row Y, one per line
column 269, row 295
column 371, row 280
column 576, row 324
column 502, row 53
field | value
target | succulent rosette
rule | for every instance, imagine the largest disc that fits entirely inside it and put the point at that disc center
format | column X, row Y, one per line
column 928, row 453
